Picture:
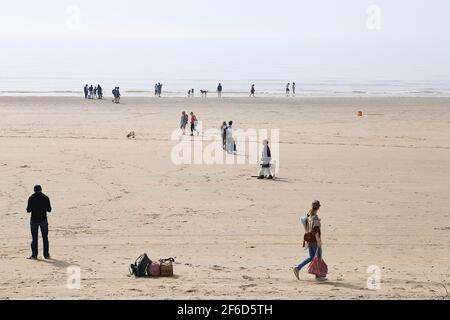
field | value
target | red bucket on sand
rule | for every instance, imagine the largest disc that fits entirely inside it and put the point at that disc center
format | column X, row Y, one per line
column 360, row 114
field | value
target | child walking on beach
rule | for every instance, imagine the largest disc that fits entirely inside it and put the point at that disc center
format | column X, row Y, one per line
column 313, row 237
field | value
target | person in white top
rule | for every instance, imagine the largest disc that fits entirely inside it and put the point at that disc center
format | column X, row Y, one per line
column 266, row 162
column 230, row 138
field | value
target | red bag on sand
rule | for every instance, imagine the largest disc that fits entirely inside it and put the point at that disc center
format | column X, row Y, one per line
column 318, row 267
column 154, row 270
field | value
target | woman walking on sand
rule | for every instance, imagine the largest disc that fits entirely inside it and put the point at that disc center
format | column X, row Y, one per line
column 313, row 237
column 194, row 124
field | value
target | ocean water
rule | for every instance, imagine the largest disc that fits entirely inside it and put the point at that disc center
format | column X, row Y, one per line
column 144, row 87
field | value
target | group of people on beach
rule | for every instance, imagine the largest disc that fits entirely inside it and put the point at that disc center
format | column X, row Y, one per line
column 228, row 140
column 185, row 121
column 39, row 205
column 91, row 92
column 288, row 89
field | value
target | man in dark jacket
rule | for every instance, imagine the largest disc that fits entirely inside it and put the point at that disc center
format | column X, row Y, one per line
column 38, row 206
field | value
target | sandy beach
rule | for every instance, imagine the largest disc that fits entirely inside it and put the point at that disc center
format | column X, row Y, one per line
column 383, row 180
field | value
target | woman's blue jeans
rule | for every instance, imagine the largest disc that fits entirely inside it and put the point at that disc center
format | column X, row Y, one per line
column 313, row 251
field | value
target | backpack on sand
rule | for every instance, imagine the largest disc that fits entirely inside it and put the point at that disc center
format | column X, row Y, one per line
column 139, row 268
column 167, row 267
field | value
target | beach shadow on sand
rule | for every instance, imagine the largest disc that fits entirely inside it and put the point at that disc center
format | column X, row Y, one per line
column 341, row 285
column 58, row 263
column 175, row 277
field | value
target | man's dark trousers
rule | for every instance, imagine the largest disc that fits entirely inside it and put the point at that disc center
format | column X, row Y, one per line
column 34, row 233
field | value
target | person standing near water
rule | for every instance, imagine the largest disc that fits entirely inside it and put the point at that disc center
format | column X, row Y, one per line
column 288, row 89
column 86, row 91
column 293, row 89
column 91, row 92
column 219, row 90
column 252, row 91
column 38, row 206
column 312, row 225
column 100, row 92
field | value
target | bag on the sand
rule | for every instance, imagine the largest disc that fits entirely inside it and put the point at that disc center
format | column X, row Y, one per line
column 154, row 270
column 318, row 267
column 167, row 267
column 139, row 268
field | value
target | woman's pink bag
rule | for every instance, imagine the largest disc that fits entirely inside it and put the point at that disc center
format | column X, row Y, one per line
column 154, row 270
column 318, row 267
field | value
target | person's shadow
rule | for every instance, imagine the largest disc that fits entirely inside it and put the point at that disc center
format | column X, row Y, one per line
column 338, row 284
column 58, row 263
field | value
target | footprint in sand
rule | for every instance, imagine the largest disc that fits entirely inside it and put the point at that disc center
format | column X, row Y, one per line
column 248, row 278
column 247, row 286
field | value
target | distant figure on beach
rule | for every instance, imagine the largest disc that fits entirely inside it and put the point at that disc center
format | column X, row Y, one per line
column 231, row 143
column 194, row 124
column 219, row 90
column 252, row 91
column 266, row 162
column 313, row 238
column 38, row 206
column 91, row 92
column 184, row 122
column 223, row 130
column 86, row 91
column 156, row 89
column 95, row 92
column 159, row 89
column 100, row 92
column 293, row 89
column 116, row 94
column 288, row 89
column 189, row 93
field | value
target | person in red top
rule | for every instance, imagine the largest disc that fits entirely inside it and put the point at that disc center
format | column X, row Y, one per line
column 194, row 123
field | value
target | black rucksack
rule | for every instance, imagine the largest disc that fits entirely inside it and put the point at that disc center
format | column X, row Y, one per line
column 139, row 268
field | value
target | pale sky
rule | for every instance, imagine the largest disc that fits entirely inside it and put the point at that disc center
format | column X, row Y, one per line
column 217, row 39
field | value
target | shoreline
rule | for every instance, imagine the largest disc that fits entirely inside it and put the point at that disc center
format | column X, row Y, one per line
column 212, row 96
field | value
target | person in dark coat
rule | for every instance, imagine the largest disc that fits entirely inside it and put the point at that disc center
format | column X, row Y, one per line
column 38, row 206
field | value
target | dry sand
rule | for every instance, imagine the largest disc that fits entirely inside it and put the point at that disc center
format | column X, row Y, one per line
column 383, row 180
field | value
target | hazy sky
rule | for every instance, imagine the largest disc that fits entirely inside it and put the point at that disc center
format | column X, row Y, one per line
column 227, row 39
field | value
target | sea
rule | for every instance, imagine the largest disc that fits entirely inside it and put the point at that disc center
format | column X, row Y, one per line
column 70, row 86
